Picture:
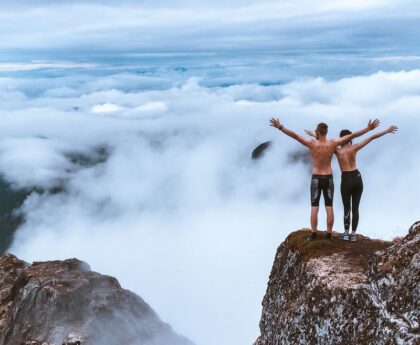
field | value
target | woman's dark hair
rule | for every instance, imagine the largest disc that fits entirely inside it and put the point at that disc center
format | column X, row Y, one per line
column 345, row 132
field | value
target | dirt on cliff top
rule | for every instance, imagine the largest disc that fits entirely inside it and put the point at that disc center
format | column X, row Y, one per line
column 359, row 251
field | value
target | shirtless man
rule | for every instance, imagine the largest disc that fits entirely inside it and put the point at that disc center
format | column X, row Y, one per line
column 321, row 151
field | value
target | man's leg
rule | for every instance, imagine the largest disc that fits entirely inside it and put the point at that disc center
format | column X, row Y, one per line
column 330, row 218
column 314, row 219
column 328, row 197
column 315, row 196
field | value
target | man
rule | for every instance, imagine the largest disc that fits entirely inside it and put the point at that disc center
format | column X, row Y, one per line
column 321, row 151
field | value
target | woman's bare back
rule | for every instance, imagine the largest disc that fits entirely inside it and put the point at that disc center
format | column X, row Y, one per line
column 346, row 156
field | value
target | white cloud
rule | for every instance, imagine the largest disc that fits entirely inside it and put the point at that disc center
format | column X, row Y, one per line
column 152, row 107
column 178, row 212
column 106, row 108
column 32, row 161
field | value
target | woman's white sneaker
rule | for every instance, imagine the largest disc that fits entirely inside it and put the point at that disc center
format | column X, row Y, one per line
column 344, row 236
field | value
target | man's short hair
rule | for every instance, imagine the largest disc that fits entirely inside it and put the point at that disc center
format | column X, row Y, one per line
column 322, row 128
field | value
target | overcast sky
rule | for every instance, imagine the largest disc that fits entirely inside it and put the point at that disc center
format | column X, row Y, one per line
column 51, row 29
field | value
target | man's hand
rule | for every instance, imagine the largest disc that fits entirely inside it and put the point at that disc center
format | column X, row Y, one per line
column 310, row 133
column 275, row 123
column 373, row 124
column 392, row 129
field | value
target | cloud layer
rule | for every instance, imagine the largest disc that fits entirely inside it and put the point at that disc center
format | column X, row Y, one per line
column 177, row 211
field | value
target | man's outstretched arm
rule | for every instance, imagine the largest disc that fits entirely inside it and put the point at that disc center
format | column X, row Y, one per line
column 371, row 126
column 276, row 123
column 363, row 143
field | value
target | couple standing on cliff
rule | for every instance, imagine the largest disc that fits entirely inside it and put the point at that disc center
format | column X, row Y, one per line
column 321, row 151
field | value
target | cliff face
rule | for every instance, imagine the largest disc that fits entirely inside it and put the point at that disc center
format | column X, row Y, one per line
column 11, row 200
column 339, row 293
column 63, row 302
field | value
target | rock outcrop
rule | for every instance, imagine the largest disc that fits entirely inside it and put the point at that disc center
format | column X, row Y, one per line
column 259, row 151
column 342, row 293
column 63, row 302
column 294, row 157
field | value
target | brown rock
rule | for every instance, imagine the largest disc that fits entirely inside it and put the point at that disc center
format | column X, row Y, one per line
column 63, row 302
column 339, row 293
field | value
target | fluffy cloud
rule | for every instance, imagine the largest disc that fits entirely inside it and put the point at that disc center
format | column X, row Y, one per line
column 177, row 211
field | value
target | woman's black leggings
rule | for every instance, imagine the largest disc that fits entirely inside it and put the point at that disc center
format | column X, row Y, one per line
column 351, row 192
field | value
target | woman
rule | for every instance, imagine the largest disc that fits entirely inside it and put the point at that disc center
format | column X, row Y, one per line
column 351, row 179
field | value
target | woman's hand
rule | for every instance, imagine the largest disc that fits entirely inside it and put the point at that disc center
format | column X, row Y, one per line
column 392, row 129
column 310, row 133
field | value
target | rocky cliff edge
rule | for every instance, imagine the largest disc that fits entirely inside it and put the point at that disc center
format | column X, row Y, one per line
column 339, row 292
column 64, row 302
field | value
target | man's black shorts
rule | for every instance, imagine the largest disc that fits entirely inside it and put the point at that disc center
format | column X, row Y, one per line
column 325, row 184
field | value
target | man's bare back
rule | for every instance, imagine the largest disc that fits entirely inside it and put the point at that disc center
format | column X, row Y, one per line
column 321, row 155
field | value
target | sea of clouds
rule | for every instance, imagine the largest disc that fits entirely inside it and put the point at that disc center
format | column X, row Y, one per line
column 141, row 117
column 178, row 211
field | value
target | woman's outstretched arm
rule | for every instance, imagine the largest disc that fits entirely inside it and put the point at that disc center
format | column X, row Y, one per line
column 363, row 143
